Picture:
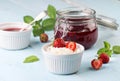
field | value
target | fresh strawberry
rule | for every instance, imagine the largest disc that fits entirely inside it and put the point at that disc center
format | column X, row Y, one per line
column 59, row 43
column 96, row 64
column 43, row 37
column 105, row 58
column 71, row 45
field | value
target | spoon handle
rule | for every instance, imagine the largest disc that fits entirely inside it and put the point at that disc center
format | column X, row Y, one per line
column 38, row 17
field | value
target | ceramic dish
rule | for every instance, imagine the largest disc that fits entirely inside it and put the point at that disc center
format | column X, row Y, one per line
column 11, row 38
column 62, row 64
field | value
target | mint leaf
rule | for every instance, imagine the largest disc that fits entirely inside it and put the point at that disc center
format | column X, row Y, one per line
column 37, row 23
column 109, row 52
column 51, row 11
column 31, row 59
column 116, row 49
column 106, row 45
column 28, row 19
column 104, row 50
column 48, row 24
column 36, row 27
column 37, row 31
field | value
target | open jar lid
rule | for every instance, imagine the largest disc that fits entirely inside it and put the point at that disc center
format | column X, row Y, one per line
column 76, row 12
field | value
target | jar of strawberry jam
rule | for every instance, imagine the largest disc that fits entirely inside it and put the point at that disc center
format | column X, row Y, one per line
column 77, row 25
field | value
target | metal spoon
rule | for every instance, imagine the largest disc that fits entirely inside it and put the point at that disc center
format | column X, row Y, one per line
column 38, row 17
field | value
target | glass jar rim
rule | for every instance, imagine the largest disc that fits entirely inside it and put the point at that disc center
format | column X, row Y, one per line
column 75, row 11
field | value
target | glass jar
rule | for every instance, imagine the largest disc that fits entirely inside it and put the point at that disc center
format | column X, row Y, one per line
column 77, row 25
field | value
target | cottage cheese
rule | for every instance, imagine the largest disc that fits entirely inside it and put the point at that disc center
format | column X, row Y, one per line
column 62, row 51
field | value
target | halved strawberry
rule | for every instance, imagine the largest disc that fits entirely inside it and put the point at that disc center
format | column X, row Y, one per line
column 96, row 64
column 71, row 45
column 59, row 43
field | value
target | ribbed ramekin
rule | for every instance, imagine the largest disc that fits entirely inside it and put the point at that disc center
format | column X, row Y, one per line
column 14, row 40
column 62, row 64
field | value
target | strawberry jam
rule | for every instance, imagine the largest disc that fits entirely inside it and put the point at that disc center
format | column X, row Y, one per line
column 77, row 28
column 13, row 29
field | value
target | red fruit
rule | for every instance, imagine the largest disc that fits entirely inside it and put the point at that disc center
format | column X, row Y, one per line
column 96, row 64
column 59, row 43
column 71, row 45
column 43, row 37
column 105, row 58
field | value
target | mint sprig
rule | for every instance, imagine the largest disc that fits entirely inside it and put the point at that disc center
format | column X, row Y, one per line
column 41, row 26
column 106, row 49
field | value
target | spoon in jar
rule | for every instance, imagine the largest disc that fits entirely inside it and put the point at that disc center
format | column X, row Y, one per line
column 38, row 17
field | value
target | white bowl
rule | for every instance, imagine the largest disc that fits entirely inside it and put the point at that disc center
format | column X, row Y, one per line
column 62, row 64
column 14, row 40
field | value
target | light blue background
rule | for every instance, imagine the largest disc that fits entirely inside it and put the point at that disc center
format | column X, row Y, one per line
column 12, row 67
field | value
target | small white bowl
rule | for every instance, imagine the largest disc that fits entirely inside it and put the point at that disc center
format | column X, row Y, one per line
column 14, row 40
column 62, row 64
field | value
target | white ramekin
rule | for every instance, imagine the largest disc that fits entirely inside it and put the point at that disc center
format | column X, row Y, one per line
column 14, row 40
column 62, row 64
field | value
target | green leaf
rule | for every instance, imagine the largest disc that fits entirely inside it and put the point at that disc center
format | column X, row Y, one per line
column 106, row 45
column 31, row 59
column 116, row 49
column 48, row 24
column 51, row 11
column 109, row 52
column 37, row 23
column 36, row 27
column 28, row 19
column 104, row 50
column 37, row 31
